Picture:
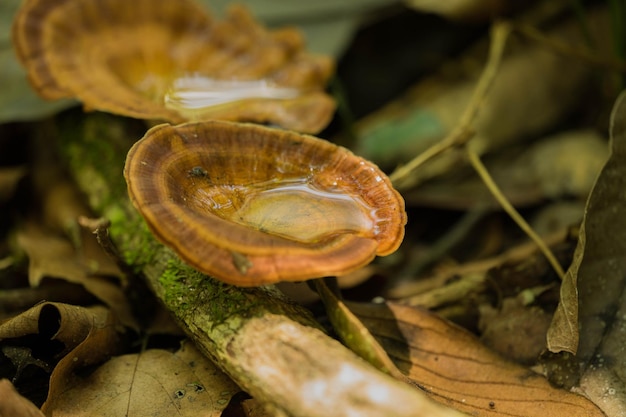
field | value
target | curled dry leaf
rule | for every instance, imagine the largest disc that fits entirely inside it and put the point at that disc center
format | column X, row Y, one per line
column 172, row 61
column 590, row 321
column 154, row 382
column 456, row 369
column 101, row 342
column 12, row 404
column 72, row 337
column 54, row 256
column 55, row 322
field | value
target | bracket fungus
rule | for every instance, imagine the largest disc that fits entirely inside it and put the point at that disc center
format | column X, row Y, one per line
column 171, row 61
column 252, row 205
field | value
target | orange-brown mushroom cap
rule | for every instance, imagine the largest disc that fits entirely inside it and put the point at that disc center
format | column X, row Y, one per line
column 169, row 60
column 252, row 205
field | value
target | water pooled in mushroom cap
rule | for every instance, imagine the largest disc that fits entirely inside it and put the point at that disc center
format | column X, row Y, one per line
column 253, row 205
column 295, row 209
column 190, row 94
column 122, row 57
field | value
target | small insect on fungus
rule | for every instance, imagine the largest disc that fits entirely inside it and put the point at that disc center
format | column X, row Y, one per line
column 197, row 172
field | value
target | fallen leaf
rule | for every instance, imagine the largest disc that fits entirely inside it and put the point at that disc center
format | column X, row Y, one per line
column 60, row 337
column 53, row 322
column 515, row 329
column 12, row 404
column 54, row 256
column 453, row 283
column 456, row 369
column 101, row 342
column 154, row 382
column 591, row 319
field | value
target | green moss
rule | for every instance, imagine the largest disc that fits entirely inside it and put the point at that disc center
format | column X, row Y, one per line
column 95, row 147
column 178, row 285
column 188, row 291
column 138, row 247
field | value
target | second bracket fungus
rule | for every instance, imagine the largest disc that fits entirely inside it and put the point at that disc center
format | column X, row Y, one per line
column 252, row 205
column 171, row 61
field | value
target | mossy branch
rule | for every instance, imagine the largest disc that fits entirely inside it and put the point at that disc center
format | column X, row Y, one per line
column 270, row 346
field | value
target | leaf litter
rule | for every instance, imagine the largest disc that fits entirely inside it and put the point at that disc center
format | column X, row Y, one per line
column 57, row 338
column 590, row 323
column 154, row 382
column 445, row 361
column 453, row 367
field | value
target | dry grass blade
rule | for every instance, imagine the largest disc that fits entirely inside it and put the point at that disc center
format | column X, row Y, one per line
column 463, row 132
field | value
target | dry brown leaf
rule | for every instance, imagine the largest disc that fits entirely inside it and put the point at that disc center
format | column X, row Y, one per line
column 67, row 336
column 53, row 256
column 59, row 202
column 12, row 404
column 56, row 322
column 457, row 370
column 154, row 382
column 99, row 344
column 593, row 298
column 515, row 329
column 562, row 335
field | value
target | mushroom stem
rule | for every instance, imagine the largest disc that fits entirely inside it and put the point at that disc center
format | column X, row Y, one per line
column 254, row 334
